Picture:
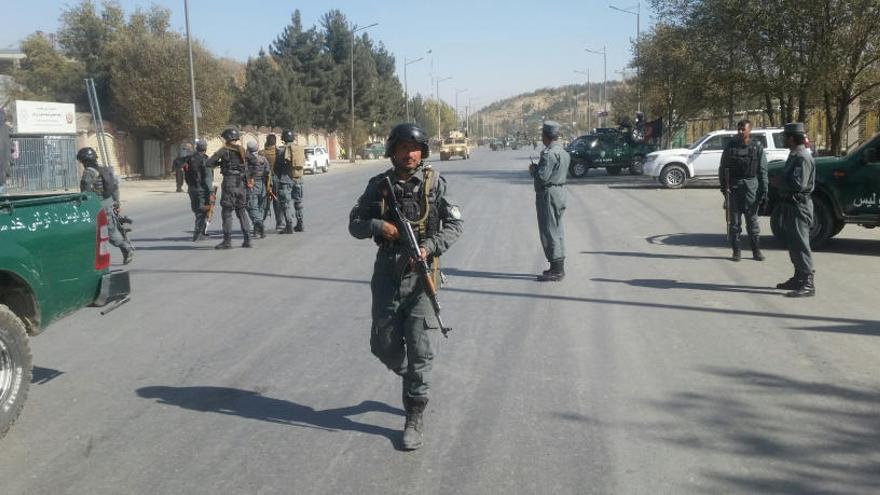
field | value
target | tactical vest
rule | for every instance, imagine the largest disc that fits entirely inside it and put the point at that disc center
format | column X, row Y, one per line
column 283, row 167
column 270, row 153
column 194, row 169
column 744, row 161
column 232, row 161
column 418, row 202
column 103, row 182
column 255, row 165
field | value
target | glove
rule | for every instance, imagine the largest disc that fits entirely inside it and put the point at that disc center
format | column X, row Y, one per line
column 724, row 206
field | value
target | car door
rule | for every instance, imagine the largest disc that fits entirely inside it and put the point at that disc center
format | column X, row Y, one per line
column 707, row 158
column 860, row 195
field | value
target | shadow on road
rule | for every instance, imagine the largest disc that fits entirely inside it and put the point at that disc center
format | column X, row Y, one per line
column 837, row 245
column 797, row 436
column 41, row 376
column 455, row 272
column 662, row 283
column 515, row 176
column 252, row 405
column 637, row 254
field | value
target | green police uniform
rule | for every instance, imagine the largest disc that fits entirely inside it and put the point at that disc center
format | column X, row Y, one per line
column 746, row 167
column 796, row 185
column 549, row 180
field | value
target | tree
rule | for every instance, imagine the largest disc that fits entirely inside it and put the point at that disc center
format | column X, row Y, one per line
column 265, row 98
column 45, row 74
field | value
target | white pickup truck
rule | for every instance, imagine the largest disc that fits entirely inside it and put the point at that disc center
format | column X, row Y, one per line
column 674, row 168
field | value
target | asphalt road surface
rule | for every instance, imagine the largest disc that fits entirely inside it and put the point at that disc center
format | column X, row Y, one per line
column 656, row 366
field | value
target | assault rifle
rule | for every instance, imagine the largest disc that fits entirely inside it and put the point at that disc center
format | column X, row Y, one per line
column 270, row 197
column 209, row 213
column 727, row 205
column 411, row 248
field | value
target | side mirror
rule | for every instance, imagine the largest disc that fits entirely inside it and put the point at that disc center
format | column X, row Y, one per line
column 871, row 155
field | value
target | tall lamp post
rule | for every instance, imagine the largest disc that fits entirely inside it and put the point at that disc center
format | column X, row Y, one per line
column 351, row 138
column 638, row 14
column 439, row 80
column 406, row 84
column 192, row 77
column 604, row 54
column 589, row 113
column 457, row 114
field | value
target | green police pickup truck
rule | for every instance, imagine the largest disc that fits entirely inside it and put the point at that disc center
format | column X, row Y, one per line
column 614, row 149
column 54, row 259
column 847, row 192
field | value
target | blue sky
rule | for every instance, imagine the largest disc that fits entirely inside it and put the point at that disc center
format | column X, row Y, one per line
column 494, row 49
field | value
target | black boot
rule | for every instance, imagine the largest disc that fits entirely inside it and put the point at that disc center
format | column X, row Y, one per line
column 806, row 288
column 260, row 230
column 226, row 244
column 790, row 284
column 127, row 256
column 734, row 243
column 247, row 241
column 299, row 225
column 287, row 230
column 555, row 273
column 412, row 430
column 757, row 255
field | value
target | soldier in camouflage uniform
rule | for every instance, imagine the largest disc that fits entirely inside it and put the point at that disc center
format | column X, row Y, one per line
column 405, row 330
column 549, row 176
column 231, row 160
column 259, row 173
column 292, row 158
column 744, row 163
column 199, row 184
column 100, row 180
column 270, row 152
column 795, row 186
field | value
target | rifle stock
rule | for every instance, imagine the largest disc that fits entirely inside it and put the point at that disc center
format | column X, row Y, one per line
column 727, row 205
column 411, row 245
column 209, row 214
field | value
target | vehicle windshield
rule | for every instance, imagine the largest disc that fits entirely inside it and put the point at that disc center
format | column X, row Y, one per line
column 310, row 152
column 459, row 141
column 697, row 143
column 867, row 143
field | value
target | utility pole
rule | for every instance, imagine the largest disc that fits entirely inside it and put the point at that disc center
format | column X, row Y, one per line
column 458, row 115
column 192, row 77
column 604, row 54
column 589, row 112
column 351, row 138
column 439, row 80
column 406, row 83
column 638, row 14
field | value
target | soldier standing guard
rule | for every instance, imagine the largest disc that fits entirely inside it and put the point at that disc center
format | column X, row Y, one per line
column 177, row 165
column 100, row 180
column 284, row 171
column 294, row 157
column 744, row 165
column 269, row 151
column 795, row 186
column 549, row 174
column 199, row 182
column 258, row 169
column 405, row 330
column 231, row 160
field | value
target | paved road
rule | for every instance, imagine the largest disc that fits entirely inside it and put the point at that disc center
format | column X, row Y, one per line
column 657, row 366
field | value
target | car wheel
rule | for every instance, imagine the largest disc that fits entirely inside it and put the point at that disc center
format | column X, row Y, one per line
column 15, row 368
column 637, row 166
column 776, row 224
column 371, row 156
column 578, row 170
column 823, row 223
column 673, row 176
column 613, row 170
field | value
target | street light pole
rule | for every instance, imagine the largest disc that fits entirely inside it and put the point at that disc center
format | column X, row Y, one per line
column 439, row 80
column 406, row 84
column 604, row 53
column 638, row 14
column 192, row 77
column 351, row 138
column 589, row 117
column 457, row 114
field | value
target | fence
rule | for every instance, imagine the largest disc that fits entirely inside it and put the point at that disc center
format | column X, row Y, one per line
column 44, row 164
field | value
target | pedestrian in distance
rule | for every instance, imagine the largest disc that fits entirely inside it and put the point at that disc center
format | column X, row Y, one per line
column 199, row 185
column 405, row 328
column 291, row 161
column 177, row 165
column 743, row 175
column 549, row 178
column 795, row 186
column 233, row 166
column 259, row 173
column 100, row 180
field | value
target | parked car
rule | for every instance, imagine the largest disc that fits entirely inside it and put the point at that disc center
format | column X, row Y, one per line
column 317, row 158
column 55, row 260
column 497, row 144
column 674, row 168
column 611, row 148
column 373, row 151
column 847, row 192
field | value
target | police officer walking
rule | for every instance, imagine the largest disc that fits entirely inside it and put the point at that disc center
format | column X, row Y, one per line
column 549, row 177
column 231, row 160
column 100, row 180
column 199, row 186
column 292, row 159
column 795, row 186
column 258, row 171
column 177, row 165
column 405, row 330
column 744, row 171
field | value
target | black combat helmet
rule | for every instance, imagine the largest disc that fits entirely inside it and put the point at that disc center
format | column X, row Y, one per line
column 407, row 132
column 87, row 155
column 230, row 134
column 287, row 136
column 201, row 145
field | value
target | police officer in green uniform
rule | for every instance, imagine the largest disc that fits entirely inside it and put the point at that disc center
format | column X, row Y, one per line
column 795, row 186
column 258, row 167
column 199, row 185
column 549, row 176
column 231, row 160
column 744, row 164
column 285, row 170
column 100, row 180
column 405, row 330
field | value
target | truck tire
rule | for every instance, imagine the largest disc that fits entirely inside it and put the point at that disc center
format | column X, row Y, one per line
column 371, row 156
column 15, row 368
column 823, row 224
column 637, row 167
column 673, row 176
column 578, row 170
column 613, row 170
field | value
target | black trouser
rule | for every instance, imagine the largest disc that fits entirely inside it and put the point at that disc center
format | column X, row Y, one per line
column 199, row 202
column 234, row 198
column 178, row 176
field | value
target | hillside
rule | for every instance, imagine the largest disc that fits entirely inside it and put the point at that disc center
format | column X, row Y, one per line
column 526, row 111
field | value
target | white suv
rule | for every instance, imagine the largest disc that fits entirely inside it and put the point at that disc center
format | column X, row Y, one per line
column 675, row 167
column 317, row 158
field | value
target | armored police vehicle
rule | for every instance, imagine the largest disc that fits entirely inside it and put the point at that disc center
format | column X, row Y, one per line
column 611, row 148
